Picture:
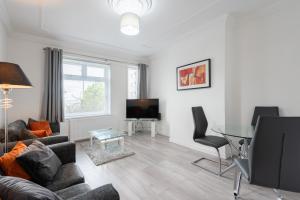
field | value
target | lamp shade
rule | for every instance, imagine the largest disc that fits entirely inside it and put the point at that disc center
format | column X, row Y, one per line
column 130, row 24
column 12, row 76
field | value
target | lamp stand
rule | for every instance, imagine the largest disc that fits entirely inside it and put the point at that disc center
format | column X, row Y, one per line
column 5, row 104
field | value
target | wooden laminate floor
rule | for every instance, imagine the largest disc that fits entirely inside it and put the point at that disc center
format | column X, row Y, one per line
column 161, row 170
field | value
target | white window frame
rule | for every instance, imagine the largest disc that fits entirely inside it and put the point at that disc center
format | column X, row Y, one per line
column 137, row 85
column 83, row 77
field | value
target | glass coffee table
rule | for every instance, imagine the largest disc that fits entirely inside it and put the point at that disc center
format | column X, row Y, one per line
column 104, row 136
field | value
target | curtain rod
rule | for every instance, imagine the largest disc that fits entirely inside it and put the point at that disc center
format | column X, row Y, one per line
column 98, row 58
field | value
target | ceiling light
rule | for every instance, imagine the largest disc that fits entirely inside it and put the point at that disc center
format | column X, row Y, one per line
column 131, row 11
column 130, row 24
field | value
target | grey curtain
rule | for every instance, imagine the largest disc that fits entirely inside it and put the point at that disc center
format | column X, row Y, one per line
column 53, row 109
column 143, row 93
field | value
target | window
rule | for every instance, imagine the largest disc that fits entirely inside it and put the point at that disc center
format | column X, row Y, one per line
column 133, row 82
column 86, row 88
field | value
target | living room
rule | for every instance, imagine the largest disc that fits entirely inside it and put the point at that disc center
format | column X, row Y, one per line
column 148, row 99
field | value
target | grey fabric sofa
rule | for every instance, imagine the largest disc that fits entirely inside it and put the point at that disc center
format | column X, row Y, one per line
column 69, row 184
column 84, row 192
column 69, row 174
column 14, row 133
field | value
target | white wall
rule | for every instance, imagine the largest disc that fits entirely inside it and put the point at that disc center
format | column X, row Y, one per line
column 27, row 102
column 28, row 53
column 3, row 42
column 175, row 106
column 232, row 75
column 269, row 61
column 255, row 63
column 3, row 53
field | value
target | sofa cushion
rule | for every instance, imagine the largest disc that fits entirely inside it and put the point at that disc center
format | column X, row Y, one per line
column 40, row 133
column 73, row 191
column 10, row 166
column 13, row 188
column 14, row 131
column 67, row 175
column 55, row 126
column 40, row 162
column 13, row 135
column 105, row 192
column 35, row 125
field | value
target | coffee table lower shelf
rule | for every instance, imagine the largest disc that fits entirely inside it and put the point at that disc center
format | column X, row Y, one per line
column 106, row 136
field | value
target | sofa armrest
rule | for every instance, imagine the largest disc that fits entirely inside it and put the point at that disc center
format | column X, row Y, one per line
column 54, row 139
column 46, row 140
column 65, row 151
column 105, row 192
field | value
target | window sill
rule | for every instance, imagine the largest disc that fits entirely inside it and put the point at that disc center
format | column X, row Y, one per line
column 87, row 116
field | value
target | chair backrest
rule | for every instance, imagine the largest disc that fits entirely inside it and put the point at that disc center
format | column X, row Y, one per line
column 200, row 122
column 265, row 151
column 290, row 163
column 274, row 154
column 272, row 111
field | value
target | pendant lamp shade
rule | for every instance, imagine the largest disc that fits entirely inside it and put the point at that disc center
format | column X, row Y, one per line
column 130, row 24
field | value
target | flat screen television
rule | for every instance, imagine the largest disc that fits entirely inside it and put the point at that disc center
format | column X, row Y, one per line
column 142, row 108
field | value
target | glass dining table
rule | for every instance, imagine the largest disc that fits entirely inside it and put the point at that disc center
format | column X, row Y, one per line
column 240, row 132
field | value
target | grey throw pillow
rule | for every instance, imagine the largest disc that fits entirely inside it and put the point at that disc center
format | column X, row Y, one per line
column 13, row 188
column 14, row 131
column 26, row 134
column 13, row 135
column 40, row 162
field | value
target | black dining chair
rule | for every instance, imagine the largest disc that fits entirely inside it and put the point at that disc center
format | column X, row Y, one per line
column 274, row 154
column 200, row 137
column 272, row 111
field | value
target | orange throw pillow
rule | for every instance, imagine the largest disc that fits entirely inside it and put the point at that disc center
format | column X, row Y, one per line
column 9, row 164
column 39, row 133
column 41, row 125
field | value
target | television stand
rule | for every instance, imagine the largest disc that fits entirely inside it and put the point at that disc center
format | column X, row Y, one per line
column 131, row 125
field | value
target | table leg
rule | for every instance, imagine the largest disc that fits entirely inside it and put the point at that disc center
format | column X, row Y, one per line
column 102, row 145
column 130, row 127
column 153, row 129
column 134, row 123
column 121, row 142
column 244, row 154
column 232, row 165
column 245, row 149
column 91, row 142
column 228, row 168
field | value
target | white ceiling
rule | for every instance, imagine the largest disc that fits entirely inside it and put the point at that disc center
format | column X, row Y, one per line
column 94, row 21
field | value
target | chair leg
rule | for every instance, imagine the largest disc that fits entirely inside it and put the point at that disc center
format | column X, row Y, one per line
column 237, row 185
column 279, row 194
column 219, row 163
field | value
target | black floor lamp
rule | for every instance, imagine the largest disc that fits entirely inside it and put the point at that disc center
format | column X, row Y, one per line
column 11, row 77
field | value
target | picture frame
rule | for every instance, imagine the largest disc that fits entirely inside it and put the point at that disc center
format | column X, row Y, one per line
column 196, row 75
